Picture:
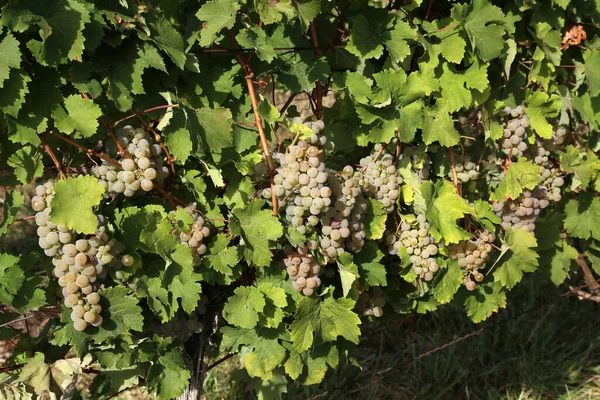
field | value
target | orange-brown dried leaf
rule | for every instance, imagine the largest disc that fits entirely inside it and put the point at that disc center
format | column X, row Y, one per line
column 573, row 37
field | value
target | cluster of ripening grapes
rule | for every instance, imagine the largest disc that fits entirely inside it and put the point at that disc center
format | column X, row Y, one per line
column 302, row 268
column 196, row 235
column 79, row 263
column 418, row 243
column 523, row 211
column 301, row 184
column 466, row 171
column 515, row 131
column 141, row 164
column 371, row 302
column 316, row 202
column 380, row 179
column 342, row 228
column 472, row 256
column 184, row 326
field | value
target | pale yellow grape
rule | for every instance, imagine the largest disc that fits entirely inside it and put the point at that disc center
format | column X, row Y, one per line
column 127, row 260
column 78, row 311
column 93, row 298
column 79, row 325
column 71, row 300
column 90, row 316
column 82, row 280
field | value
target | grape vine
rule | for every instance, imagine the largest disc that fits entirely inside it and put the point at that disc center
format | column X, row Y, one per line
column 268, row 179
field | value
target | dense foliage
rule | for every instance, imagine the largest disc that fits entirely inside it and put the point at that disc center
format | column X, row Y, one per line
column 181, row 215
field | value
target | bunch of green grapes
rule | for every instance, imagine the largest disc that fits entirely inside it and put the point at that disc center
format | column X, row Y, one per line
column 79, row 262
column 184, row 326
column 302, row 268
column 416, row 240
column 523, row 211
column 466, row 170
column 379, row 178
column 301, row 182
column 194, row 235
column 141, row 164
column 342, row 226
column 371, row 302
column 514, row 142
column 472, row 256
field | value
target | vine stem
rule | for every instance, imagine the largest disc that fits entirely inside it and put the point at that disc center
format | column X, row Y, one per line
column 50, row 153
column 249, row 74
column 582, row 294
column 287, row 103
column 587, row 274
column 144, row 112
column 121, row 151
column 85, row 149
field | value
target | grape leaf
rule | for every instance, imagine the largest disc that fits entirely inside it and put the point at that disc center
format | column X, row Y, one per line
column 374, row 219
column 256, row 38
column 484, row 24
column 585, row 164
column 447, row 282
column 348, row 272
column 78, row 115
column 591, row 60
column 73, row 201
column 371, row 270
column 12, row 202
column 220, row 257
column 271, row 12
column 438, row 126
column 36, row 374
column 179, row 144
column 125, row 79
column 60, row 26
column 258, row 228
column 167, row 374
column 301, row 72
column 583, row 216
column 27, row 163
column 308, row 10
column 485, row 215
column 166, row 37
column 556, row 262
column 215, row 128
column 11, row 278
column 157, row 297
column 327, row 319
column 12, row 95
column 216, row 16
column 521, row 175
column 540, row 107
column 521, row 257
column 11, row 57
column 444, row 207
column 276, row 300
column 261, row 350
column 485, row 300
column 242, row 309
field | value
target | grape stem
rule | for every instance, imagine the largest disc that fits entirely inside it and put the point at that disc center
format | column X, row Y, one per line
column 249, row 74
column 587, row 274
column 583, row 295
column 50, row 153
column 144, row 112
column 85, row 149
